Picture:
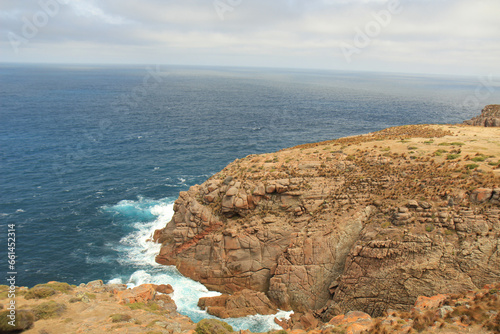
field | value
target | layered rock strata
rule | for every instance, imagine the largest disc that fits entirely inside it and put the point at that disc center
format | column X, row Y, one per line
column 362, row 223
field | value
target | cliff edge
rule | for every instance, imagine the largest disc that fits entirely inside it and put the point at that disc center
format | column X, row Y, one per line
column 365, row 223
column 490, row 116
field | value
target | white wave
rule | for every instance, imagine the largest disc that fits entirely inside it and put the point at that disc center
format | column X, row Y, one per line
column 137, row 250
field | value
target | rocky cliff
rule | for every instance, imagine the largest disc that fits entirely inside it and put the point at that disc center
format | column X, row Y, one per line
column 490, row 116
column 363, row 223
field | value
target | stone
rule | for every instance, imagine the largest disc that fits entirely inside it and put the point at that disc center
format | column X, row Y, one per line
column 227, row 180
column 412, row 204
column 232, row 191
column 259, row 190
column 240, row 304
column 141, row 293
column 481, row 195
column 425, row 205
column 95, row 284
column 271, row 188
column 429, row 303
column 164, row 288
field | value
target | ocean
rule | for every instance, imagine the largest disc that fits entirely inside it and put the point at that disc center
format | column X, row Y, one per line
column 93, row 157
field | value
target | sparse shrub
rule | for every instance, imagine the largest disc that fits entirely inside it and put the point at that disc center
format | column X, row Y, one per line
column 58, row 286
column 439, row 152
column 213, row 326
column 120, row 317
column 49, row 309
column 452, row 156
column 422, row 321
column 385, row 224
column 412, row 148
column 479, row 158
column 24, row 320
column 39, row 292
column 429, row 228
column 471, row 166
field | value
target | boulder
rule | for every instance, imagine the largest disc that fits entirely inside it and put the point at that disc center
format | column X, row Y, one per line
column 481, row 195
column 240, row 304
column 141, row 293
column 164, row 288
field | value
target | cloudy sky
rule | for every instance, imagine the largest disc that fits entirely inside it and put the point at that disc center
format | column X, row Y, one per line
column 417, row 36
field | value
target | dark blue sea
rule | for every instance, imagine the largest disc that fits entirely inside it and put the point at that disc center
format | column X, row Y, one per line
column 92, row 157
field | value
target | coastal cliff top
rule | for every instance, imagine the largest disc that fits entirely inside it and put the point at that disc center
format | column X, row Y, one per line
column 466, row 147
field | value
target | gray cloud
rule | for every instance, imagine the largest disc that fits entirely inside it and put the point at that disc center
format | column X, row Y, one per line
column 440, row 36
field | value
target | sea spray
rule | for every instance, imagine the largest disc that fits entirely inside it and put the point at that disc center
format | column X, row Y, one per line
column 136, row 251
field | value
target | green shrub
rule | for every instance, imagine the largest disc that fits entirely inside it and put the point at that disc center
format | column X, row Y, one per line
column 429, row 228
column 439, row 152
column 24, row 320
column 48, row 310
column 452, row 156
column 452, row 144
column 213, row 326
column 471, row 166
column 120, row 317
column 58, row 286
column 479, row 158
column 39, row 292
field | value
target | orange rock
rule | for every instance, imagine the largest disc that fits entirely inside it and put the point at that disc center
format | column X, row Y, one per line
column 141, row 293
column 298, row 331
column 164, row 288
column 314, row 331
column 356, row 316
column 427, row 303
column 357, row 328
column 338, row 320
column 481, row 195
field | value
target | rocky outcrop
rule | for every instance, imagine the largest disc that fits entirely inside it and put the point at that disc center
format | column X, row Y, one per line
column 362, row 223
column 240, row 304
column 93, row 308
column 490, row 117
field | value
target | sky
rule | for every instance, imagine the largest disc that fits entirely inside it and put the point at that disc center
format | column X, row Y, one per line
column 459, row 37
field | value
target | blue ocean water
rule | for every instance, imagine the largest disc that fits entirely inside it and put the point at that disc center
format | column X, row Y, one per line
column 92, row 157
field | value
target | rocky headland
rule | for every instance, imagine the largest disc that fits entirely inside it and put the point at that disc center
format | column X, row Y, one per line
column 390, row 232
column 366, row 223
column 490, row 116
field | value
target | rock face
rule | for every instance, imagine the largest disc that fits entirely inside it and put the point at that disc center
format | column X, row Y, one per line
column 490, row 116
column 362, row 223
column 240, row 304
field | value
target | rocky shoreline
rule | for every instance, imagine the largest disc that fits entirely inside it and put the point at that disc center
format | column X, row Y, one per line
column 97, row 308
column 365, row 223
column 354, row 234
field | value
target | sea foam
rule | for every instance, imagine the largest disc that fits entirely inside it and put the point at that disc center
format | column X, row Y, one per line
column 137, row 251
